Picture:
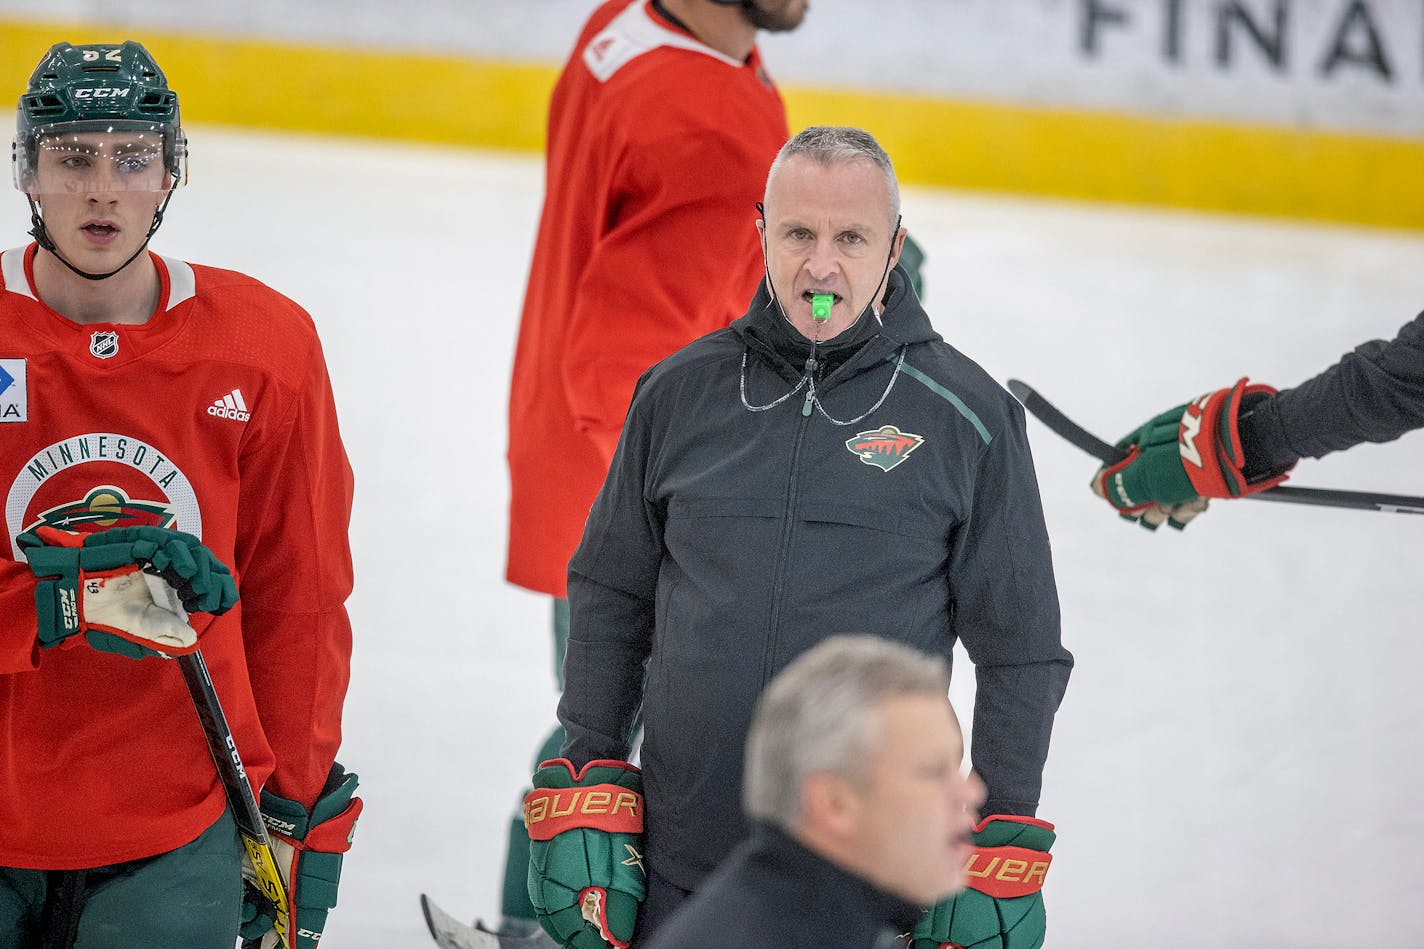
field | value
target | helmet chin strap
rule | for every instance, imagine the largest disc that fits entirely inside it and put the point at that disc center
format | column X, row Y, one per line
column 41, row 236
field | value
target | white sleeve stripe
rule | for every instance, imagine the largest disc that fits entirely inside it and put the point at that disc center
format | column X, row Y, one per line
column 12, row 267
column 631, row 34
column 182, row 284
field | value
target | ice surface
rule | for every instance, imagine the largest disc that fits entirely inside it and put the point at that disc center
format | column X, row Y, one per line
column 1237, row 762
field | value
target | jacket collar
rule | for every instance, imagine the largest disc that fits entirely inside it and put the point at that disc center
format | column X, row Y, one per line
column 763, row 330
column 860, row 898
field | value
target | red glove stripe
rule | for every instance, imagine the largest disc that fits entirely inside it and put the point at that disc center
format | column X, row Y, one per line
column 1007, row 872
column 595, row 763
column 1209, row 440
column 549, row 812
column 1210, row 443
column 597, row 897
column 1012, row 819
column 1110, row 486
column 55, row 537
column 334, row 835
column 1196, row 442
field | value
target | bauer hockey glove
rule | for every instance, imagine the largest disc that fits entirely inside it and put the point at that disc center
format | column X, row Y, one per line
column 1001, row 906
column 586, row 875
column 307, row 848
column 1180, row 458
column 127, row 589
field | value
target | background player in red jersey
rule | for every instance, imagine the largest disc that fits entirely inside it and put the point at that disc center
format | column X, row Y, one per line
column 160, row 418
column 661, row 130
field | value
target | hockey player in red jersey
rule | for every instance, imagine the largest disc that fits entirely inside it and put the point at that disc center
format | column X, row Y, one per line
column 661, row 129
column 167, row 436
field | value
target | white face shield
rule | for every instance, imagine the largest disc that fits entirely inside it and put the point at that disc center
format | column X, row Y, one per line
column 100, row 157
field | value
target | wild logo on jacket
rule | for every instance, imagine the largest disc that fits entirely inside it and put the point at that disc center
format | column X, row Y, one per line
column 884, row 447
column 104, row 507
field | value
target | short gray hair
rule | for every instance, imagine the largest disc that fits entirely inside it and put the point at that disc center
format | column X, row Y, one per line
column 821, row 715
column 832, row 144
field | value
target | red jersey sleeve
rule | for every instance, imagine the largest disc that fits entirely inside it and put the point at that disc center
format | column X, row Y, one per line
column 18, row 647
column 294, row 566
column 680, row 262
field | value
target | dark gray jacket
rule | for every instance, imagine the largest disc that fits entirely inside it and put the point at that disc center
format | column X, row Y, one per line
column 1373, row 394
column 726, row 541
column 773, row 893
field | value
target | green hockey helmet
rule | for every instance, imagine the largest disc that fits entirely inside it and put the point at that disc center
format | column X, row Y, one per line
column 97, row 108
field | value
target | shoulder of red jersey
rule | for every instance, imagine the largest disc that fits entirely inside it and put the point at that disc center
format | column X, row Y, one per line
column 241, row 319
column 217, row 286
column 12, row 273
column 635, row 32
column 643, row 83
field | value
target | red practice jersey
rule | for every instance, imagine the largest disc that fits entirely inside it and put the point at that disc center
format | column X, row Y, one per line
column 216, row 418
column 658, row 150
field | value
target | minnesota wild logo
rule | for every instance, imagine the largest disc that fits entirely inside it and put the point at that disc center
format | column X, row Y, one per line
column 884, row 447
column 105, row 507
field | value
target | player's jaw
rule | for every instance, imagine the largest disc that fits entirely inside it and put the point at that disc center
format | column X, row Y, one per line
column 776, row 16
column 98, row 236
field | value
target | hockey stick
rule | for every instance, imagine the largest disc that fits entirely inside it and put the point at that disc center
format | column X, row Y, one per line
column 1108, row 454
column 450, row 933
column 240, row 798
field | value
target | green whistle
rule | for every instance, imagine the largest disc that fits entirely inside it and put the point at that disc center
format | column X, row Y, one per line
column 821, row 306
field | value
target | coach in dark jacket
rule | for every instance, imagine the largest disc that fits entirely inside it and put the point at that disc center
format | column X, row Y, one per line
column 790, row 477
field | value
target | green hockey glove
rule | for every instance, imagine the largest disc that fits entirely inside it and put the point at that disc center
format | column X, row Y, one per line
column 1001, row 906
column 1180, row 458
column 203, row 582
column 912, row 262
column 118, row 588
column 586, row 875
column 307, row 848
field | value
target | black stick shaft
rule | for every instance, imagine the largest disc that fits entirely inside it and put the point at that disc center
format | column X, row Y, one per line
column 240, row 798
column 245, row 810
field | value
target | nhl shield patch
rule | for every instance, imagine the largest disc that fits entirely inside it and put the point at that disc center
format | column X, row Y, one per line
column 104, row 344
column 884, row 447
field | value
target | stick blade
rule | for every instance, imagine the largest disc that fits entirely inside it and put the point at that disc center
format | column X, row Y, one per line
column 1020, row 390
column 450, row 933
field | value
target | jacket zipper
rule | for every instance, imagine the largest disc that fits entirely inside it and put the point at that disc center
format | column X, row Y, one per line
column 788, row 531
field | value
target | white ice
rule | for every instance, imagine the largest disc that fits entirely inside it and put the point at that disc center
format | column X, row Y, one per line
column 1237, row 762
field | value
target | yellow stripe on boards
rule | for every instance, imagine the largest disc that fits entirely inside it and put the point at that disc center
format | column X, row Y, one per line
column 1102, row 156
column 361, row 92
column 1098, row 156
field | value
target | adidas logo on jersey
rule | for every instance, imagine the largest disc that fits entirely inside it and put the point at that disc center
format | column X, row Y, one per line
column 231, row 406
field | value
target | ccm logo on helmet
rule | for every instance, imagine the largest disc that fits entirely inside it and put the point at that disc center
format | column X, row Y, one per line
column 101, row 93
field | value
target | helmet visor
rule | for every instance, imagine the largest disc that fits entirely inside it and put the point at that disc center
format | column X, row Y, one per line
column 100, row 157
